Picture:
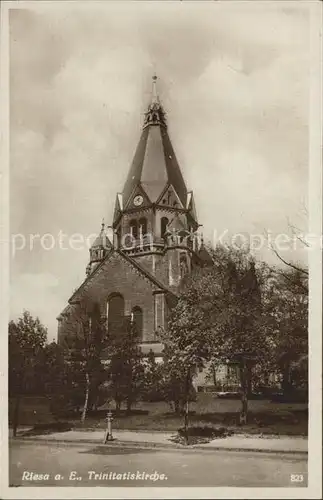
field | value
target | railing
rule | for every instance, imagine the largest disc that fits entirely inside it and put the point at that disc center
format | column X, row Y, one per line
column 142, row 245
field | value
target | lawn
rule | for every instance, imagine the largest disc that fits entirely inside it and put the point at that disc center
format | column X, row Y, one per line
column 264, row 416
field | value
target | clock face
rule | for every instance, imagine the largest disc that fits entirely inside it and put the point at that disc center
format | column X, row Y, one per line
column 137, row 201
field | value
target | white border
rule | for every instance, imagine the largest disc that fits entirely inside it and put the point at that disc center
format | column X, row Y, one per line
column 315, row 263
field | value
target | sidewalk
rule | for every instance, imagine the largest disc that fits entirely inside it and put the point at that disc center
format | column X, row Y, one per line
column 281, row 444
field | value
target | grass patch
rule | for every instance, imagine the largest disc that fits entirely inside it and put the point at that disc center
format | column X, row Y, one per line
column 48, row 428
column 264, row 416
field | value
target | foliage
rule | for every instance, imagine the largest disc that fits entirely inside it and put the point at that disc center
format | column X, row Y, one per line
column 175, row 380
column 59, row 380
column 27, row 338
column 236, row 311
column 153, row 386
column 286, row 309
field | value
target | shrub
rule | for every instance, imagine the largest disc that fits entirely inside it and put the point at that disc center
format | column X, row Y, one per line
column 208, row 431
column 200, row 434
column 48, row 428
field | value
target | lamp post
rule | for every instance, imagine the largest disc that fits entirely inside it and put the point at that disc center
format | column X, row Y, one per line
column 108, row 434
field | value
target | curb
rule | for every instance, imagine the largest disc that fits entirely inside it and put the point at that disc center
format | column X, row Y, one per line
column 154, row 445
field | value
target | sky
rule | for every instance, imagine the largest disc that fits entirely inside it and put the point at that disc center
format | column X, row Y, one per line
column 234, row 81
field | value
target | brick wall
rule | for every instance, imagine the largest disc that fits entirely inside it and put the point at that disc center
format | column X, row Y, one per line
column 118, row 276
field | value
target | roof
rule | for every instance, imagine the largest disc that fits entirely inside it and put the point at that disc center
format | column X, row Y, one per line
column 154, row 164
column 102, row 239
column 134, row 263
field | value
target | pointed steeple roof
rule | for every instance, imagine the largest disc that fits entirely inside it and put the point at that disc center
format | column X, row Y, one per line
column 102, row 239
column 154, row 164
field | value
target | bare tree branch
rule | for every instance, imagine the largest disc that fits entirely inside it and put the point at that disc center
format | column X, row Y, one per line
column 301, row 270
column 297, row 233
column 291, row 279
column 289, row 264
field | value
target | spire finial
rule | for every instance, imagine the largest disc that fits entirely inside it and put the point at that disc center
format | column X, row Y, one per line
column 102, row 224
column 155, row 114
column 154, row 90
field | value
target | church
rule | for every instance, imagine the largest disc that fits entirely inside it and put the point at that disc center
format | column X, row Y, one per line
column 155, row 242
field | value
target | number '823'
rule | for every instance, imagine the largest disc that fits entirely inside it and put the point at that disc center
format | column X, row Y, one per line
column 297, row 478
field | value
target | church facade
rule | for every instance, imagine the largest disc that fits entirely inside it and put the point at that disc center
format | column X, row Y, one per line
column 155, row 242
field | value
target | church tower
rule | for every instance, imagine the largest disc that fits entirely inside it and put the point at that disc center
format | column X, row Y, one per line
column 136, row 276
column 154, row 219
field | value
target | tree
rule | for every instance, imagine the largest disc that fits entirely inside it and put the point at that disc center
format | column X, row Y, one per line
column 126, row 367
column 85, row 339
column 286, row 310
column 236, row 329
column 27, row 338
column 218, row 317
column 185, row 349
column 153, row 378
column 176, row 380
column 57, row 375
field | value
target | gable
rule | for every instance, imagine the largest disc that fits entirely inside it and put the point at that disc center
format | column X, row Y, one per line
column 178, row 223
column 138, row 199
column 117, row 275
column 117, row 271
column 169, row 198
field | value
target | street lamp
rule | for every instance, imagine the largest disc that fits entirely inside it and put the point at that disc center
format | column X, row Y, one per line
column 108, row 434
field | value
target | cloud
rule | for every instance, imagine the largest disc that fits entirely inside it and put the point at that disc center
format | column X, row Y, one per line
column 235, row 86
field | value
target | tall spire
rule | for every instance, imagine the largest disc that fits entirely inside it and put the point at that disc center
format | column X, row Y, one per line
column 155, row 168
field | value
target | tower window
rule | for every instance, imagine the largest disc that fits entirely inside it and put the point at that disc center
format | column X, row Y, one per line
column 163, row 226
column 142, row 226
column 133, row 228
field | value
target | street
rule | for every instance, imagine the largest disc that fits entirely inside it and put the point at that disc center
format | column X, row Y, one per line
column 47, row 464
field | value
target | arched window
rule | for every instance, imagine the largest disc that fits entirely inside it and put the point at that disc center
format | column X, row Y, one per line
column 183, row 264
column 133, row 228
column 115, row 313
column 163, row 226
column 137, row 318
column 142, row 226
